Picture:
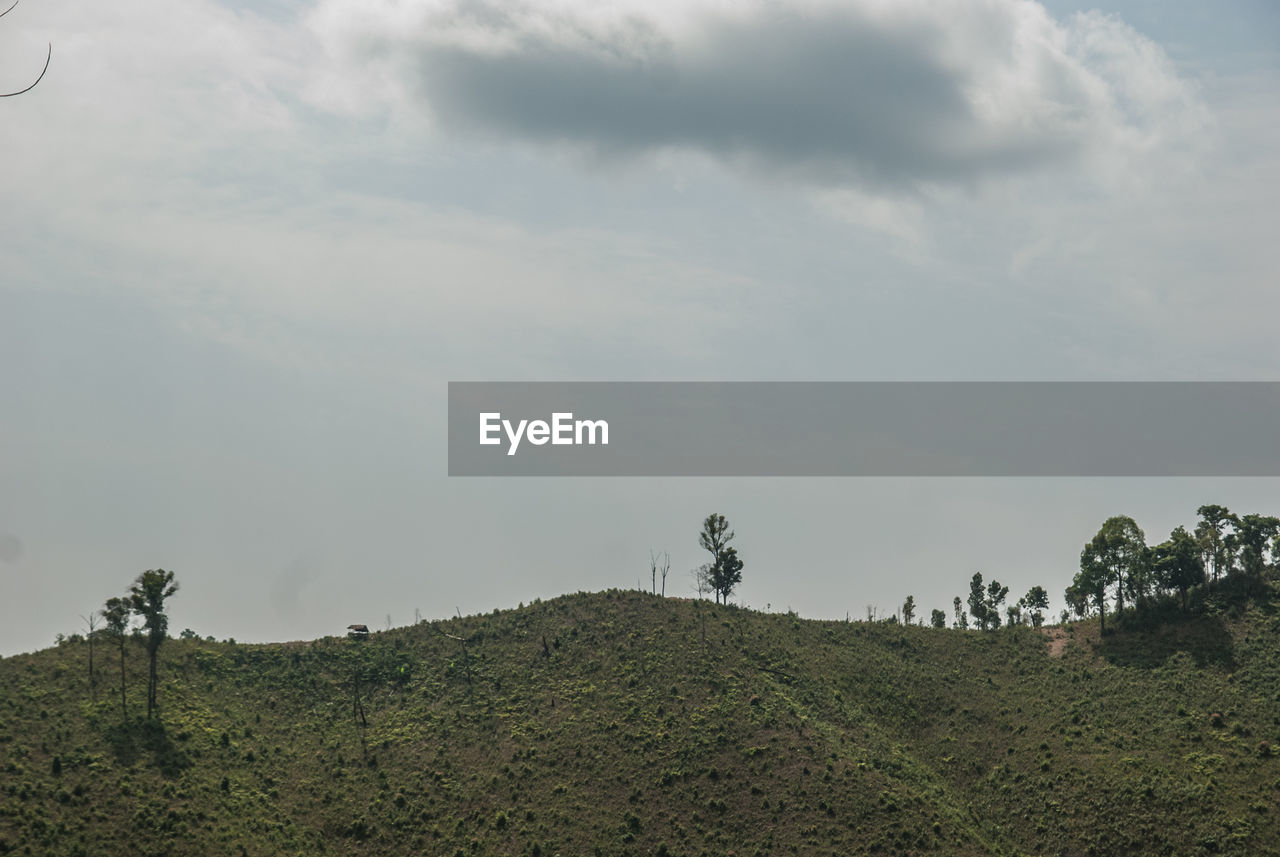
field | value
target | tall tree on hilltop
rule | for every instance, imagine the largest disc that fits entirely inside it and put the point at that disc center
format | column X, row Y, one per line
column 1120, row 546
column 147, row 598
column 116, row 614
column 1252, row 535
column 1214, row 538
column 1036, row 601
column 1078, row 602
column 1177, row 563
column 727, row 573
column 978, row 602
column 726, row 567
column 1091, row 582
column 995, row 597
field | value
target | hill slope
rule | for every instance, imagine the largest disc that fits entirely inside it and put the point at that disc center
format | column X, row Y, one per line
column 621, row 723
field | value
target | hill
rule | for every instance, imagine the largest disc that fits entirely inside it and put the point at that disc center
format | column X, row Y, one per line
column 622, row 723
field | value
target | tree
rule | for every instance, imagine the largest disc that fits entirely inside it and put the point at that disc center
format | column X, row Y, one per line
column 962, row 618
column 1177, row 563
column 1077, row 600
column 656, row 567
column 1252, row 534
column 1091, row 581
column 909, row 610
column 92, row 621
column 978, row 602
column 116, row 615
column 1213, row 537
column 1036, row 601
column 727, row 574
column 702, row 579
column 1119, row 550
column 147, row 598
column 1127, row 546
column 48, row 56
column 995, row 597
column 938, row 618
column 726, row 567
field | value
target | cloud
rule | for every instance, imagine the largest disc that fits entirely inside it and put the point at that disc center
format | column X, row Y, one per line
column 867, row 93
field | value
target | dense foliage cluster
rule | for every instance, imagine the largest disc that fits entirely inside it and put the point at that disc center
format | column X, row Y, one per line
column 1226, row 552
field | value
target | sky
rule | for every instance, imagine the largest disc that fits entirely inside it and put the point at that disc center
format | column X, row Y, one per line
column 245, row 246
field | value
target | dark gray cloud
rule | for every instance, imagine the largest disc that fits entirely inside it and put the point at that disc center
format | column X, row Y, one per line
column 856, row 93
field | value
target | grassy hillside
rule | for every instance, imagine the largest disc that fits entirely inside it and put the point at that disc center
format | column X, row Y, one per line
column 649, row 726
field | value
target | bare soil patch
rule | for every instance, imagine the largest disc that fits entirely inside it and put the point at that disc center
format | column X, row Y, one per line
column 1058, row 640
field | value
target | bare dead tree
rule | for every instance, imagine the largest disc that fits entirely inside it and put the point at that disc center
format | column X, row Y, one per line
column 466, row 659
column 357, row 708
column 702, row 583
column 92, row 621
column 48, row 56
column 659, row 566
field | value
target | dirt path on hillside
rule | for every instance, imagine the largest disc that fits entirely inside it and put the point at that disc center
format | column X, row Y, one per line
column 1058, row 640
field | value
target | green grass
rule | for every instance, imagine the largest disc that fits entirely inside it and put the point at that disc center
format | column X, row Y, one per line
column 640, row 735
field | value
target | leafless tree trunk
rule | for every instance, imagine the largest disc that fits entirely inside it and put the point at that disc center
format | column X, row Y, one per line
column 92, row 621
column 659, row 566
column 358, row 706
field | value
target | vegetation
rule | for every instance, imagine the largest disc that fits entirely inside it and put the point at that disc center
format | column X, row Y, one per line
column 1117, row 564
column 984, row 603
column 629, row 734
column 724, row 572
column 147, row 598
column 1035, row 602
column 116, row 614
column 624, row 723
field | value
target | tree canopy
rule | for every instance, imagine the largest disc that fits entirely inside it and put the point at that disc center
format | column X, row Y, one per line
column 147, row 598
column 725, row 571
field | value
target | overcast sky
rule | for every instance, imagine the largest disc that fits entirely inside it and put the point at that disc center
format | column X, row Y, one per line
column 244, row 246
